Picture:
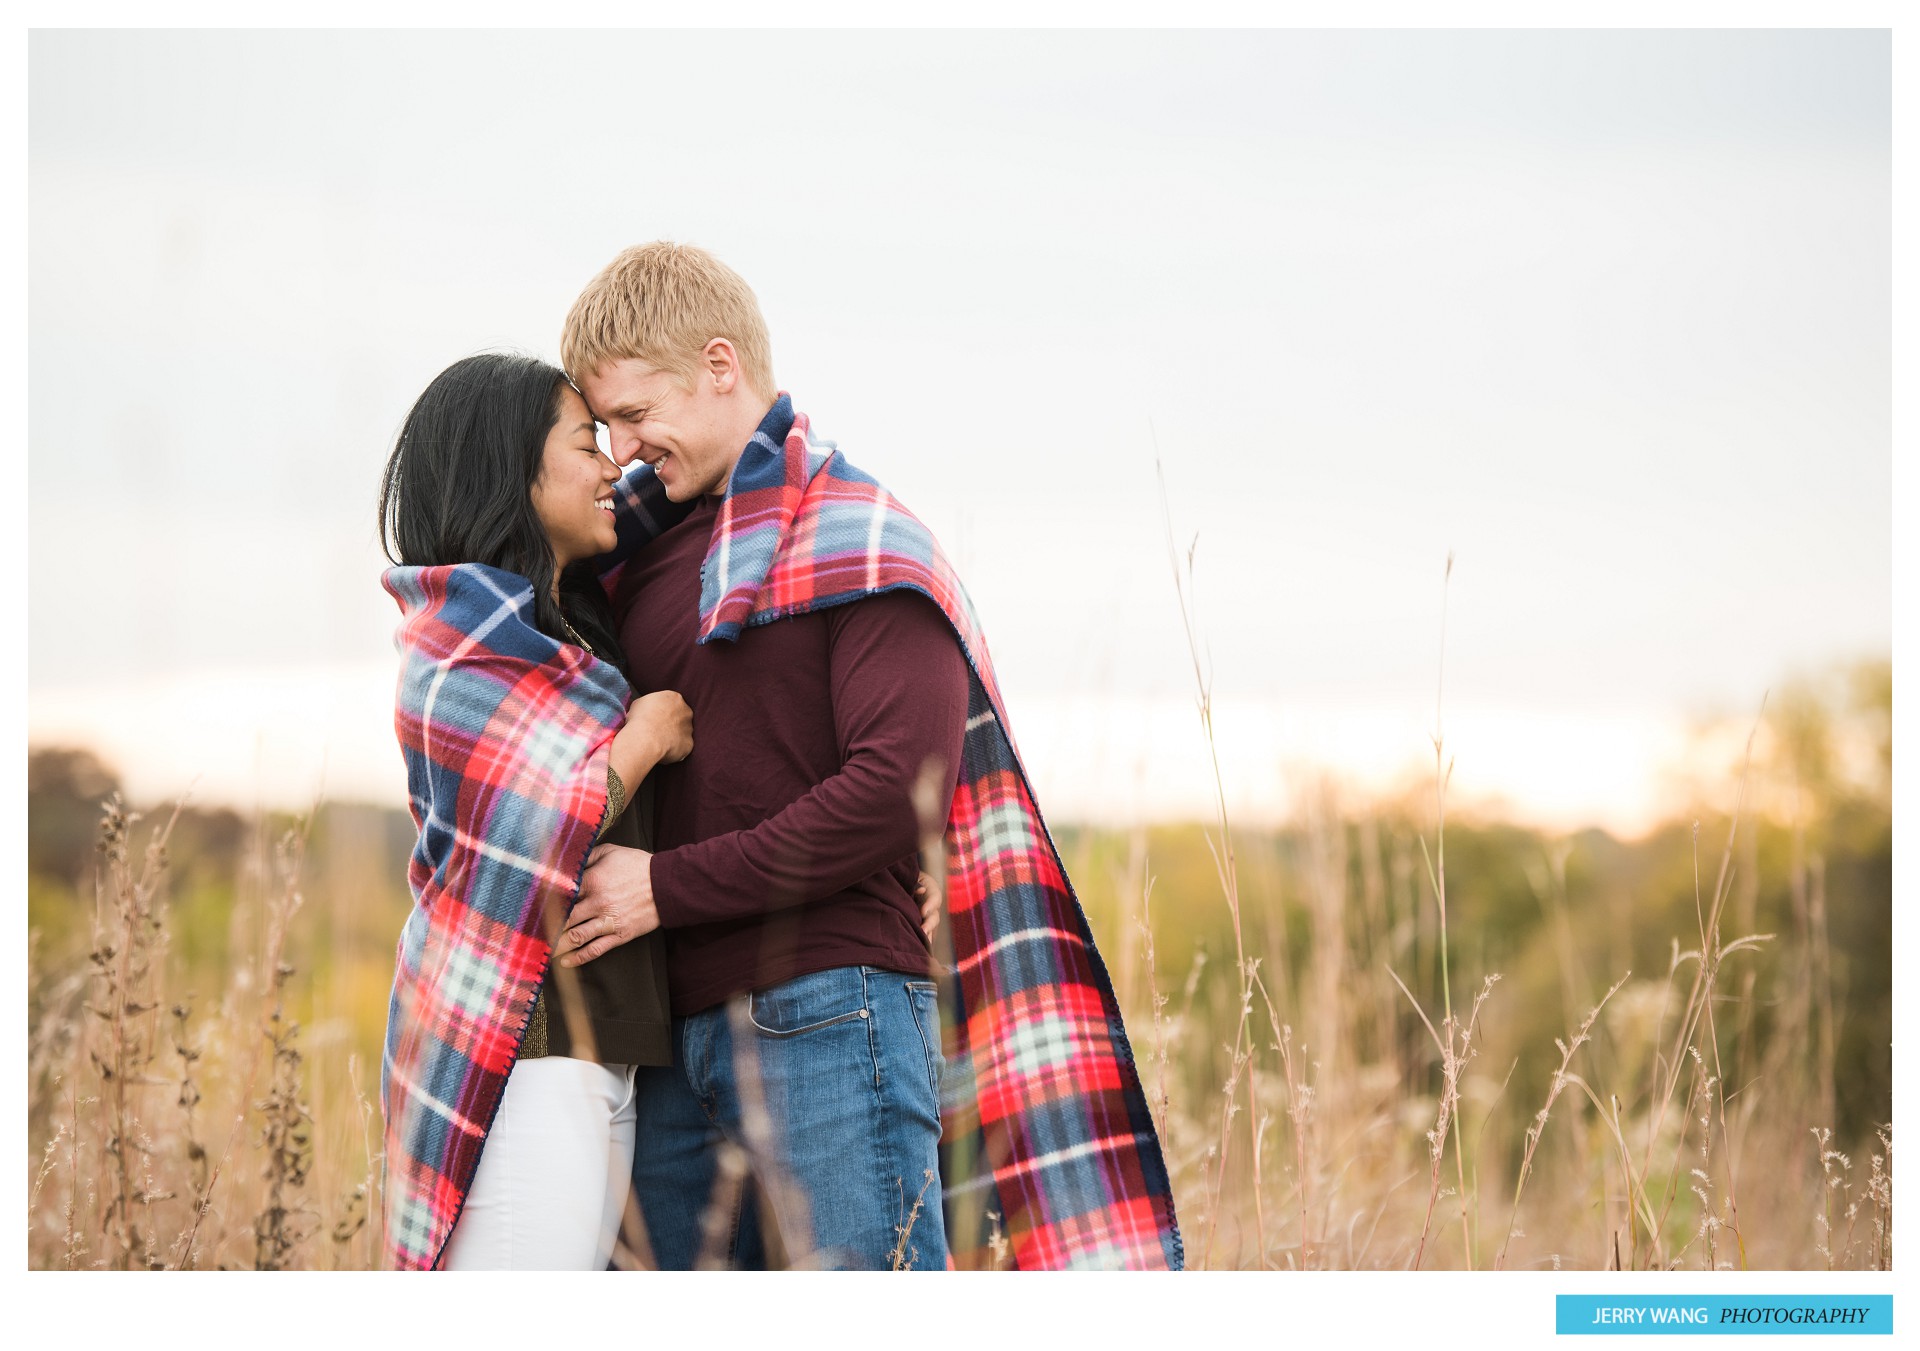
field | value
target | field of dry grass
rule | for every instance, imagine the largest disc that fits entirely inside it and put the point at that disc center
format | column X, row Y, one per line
column 1613, row 1079
column 1381, row 1038
column 1324, row 1109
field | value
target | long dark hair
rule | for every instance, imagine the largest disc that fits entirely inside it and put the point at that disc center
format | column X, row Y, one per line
column 458, row 488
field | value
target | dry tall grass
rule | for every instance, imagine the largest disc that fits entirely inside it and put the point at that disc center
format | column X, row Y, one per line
column 174, row 1134
column 1322, row 1100
column 1672, row 1133
column 1686, row 1146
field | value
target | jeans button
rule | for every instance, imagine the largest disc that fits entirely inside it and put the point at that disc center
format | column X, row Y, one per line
column 865, row 1014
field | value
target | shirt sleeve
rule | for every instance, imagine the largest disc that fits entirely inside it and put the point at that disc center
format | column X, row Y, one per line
column 899, row 695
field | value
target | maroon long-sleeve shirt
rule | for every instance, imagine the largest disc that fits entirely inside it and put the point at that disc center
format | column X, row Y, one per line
column 788, row 840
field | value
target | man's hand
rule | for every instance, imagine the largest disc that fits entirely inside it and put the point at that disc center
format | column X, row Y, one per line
column 929, row 907
column 615, row 905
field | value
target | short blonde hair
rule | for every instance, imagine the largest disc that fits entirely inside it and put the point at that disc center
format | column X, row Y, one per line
column 663, row 303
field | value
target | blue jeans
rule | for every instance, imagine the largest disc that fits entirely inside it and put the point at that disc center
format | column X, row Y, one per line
column 828, row 1085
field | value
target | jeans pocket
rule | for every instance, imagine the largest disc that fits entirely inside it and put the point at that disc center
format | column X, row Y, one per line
column 924, row 997
column 809, row 1003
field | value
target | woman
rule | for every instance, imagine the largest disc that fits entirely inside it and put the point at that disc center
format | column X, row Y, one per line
column 522, row 742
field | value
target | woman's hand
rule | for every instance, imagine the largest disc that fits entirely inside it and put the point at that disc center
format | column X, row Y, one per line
column 658, row 731
column 666, row 719
column 615, row 905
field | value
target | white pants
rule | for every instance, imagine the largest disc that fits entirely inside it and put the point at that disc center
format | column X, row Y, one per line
column 555, row 1172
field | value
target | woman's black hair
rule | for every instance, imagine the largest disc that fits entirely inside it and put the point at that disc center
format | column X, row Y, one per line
column 458, row 488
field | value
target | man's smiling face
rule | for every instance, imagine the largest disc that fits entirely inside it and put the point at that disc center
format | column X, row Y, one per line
column 653, row 416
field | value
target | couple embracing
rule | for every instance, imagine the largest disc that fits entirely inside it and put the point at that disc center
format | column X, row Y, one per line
column 679, row 743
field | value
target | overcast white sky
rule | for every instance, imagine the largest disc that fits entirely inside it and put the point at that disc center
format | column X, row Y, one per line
column 1605, row 313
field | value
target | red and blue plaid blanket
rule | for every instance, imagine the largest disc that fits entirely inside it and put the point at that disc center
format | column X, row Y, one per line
column 505, row 736
column 504, row 732
column 1049, row 1149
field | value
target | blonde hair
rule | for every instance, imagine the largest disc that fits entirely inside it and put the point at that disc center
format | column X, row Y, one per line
column 663, row 303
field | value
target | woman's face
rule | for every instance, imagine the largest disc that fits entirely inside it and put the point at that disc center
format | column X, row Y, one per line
column 573, row 496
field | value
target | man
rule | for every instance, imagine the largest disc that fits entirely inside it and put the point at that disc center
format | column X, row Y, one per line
column 848, row 682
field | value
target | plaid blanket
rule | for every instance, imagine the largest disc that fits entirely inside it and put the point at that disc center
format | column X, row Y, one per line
column 1050, row 1158
column 505, row 733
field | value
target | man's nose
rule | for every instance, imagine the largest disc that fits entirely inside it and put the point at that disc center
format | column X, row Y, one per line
column 623, row 449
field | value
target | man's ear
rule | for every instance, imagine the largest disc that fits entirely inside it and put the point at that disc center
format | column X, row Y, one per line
column 721, row 365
